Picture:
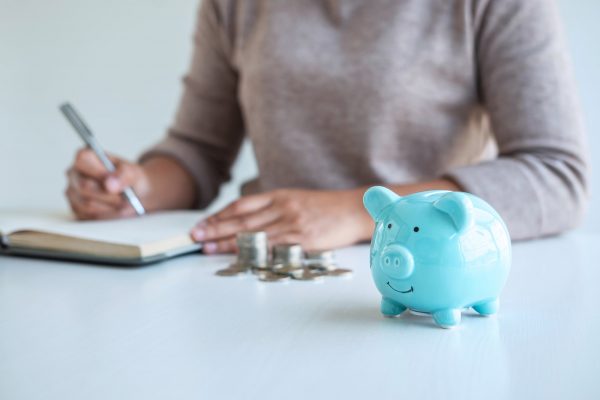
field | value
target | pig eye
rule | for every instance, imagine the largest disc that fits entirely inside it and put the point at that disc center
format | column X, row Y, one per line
column 389, row 226
column 416, row 229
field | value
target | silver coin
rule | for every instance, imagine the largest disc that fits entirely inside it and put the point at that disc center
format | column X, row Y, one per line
column 290, row 255
column 272, row 277
column 341, row 272
column 322, row 260
column 321, row 257
column 305, row 274
column 321, row 268
column 284, row 268
column 231, row 271
column 258, row 271
column 253, row 250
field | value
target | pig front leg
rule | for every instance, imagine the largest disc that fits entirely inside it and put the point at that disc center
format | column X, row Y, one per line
column 487, row 308
column 391, row 308
column 448, row 318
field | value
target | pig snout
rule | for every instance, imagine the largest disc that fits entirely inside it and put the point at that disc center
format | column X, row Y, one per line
column 397, row 262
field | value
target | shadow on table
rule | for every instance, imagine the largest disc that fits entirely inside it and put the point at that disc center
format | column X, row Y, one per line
column 361, row 314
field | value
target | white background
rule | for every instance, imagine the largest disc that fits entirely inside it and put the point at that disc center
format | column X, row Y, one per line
column 120, row 63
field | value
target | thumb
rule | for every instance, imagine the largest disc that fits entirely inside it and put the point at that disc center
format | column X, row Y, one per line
column 125, row 175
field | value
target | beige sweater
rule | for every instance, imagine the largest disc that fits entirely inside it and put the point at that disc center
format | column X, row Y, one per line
column 336, row 94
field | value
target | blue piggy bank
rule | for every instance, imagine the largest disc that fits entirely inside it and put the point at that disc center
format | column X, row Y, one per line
column 437, row 252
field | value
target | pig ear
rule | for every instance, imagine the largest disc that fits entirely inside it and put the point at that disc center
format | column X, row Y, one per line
column 377, row 198
column 459, row 208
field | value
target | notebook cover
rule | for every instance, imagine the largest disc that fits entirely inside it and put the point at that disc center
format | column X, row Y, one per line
column 64, row 256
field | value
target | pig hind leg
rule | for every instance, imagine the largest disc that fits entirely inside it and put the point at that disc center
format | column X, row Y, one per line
column 447, row 318
column 487, row 308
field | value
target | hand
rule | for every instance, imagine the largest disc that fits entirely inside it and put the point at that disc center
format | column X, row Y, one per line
column 318, row 220
column 93, row 193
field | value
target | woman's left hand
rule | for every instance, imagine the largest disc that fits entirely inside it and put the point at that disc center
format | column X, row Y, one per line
column 316, row 219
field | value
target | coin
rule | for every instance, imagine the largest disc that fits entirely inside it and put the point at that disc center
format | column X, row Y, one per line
column 284, row 269
column 290, row 255
column 258, row 271
column 232, row 270
column 320, row 268
column 321, row 260
column 341, row 272
column 253, row 250
column 272, row 277
column 320, row 257
column 306, row 274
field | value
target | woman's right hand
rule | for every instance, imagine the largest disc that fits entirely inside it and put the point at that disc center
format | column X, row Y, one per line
column 94, row 193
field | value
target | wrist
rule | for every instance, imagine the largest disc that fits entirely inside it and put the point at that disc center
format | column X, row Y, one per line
column 167, row 185
column 143, row 187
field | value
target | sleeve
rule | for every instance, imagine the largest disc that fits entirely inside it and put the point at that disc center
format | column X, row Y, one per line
column 538, row 182
column 207, row 133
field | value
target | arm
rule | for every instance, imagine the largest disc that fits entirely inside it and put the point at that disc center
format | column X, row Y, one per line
column 539, row 181
column 188, row 166
column 208, row 130
column 317, row 219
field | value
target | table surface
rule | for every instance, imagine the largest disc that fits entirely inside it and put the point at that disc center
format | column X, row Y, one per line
column 175, row 330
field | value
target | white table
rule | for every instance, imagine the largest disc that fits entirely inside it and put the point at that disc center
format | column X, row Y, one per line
column 175, row 330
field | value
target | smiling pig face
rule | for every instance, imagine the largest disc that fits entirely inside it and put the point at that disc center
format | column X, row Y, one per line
column 437, row 252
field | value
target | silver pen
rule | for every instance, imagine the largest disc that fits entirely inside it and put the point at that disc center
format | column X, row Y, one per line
column 86, row 134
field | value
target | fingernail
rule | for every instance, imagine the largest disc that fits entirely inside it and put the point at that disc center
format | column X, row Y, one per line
column 112, row 184
column 209, row 247
column 198, row 234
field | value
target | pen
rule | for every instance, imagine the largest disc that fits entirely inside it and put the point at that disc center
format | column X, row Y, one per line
column 86, row 134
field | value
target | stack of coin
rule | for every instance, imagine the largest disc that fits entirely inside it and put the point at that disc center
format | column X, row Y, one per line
column 321, row 259
column 287, row 257
column 325, row 262
column 253, row 250
column 289, row 261
column 253, row 254
column 283, row 257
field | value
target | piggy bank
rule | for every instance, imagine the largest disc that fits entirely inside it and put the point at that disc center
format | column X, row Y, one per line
column 437, row 252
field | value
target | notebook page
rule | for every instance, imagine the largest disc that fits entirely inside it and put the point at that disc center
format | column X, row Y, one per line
column 132, row 231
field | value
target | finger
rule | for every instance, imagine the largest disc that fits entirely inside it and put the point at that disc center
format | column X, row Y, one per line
column 243, row 205
column 91, row 189
column 230, row 227
column 86, row 209
column 219, row 247
column 75, row 178
column 88, row 163
column 280, row 227
column 286, row 238
column 125, row 175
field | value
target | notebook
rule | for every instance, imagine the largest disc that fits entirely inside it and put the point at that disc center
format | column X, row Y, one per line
column 134, row 241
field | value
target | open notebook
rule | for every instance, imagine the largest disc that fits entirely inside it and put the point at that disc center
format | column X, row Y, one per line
column 133, row 241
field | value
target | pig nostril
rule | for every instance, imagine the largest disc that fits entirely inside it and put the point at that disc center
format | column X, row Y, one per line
column 396, row 262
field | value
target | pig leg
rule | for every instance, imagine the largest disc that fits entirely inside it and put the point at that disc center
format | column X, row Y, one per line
column 487, row 308
column 391, row 308
column 448, row 318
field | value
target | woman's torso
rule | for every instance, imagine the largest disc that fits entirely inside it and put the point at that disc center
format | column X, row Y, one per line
column 337, row 94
